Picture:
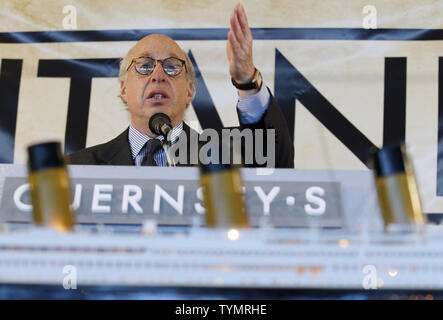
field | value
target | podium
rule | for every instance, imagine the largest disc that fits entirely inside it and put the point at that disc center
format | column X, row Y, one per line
column 123, row 195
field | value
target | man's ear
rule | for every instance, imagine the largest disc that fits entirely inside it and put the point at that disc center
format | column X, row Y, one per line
column 189, row 94
column 123, row 91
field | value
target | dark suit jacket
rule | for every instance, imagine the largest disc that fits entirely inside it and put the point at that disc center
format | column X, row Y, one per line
column 118, row 150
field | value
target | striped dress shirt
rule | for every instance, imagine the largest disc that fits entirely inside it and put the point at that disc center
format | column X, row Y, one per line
column 137, row 141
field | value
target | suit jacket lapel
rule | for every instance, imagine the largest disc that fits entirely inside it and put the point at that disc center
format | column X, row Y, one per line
column 187, row 131
column 119, row 151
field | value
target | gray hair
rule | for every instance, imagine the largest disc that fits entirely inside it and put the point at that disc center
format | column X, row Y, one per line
column 190, row 74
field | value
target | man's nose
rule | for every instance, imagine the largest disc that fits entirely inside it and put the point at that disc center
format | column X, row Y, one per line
column 158, row 74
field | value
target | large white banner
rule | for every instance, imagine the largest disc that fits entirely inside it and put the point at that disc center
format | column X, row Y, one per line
column 348, row 74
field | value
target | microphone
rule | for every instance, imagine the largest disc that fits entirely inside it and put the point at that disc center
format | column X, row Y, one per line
column 160, row 124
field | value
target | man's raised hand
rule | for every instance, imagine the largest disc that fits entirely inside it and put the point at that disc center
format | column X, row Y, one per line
column 239, row 47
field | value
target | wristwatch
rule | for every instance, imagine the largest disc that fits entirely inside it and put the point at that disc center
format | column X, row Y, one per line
column 255, row 83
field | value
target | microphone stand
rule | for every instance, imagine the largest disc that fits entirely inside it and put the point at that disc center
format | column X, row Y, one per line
column 166, row 143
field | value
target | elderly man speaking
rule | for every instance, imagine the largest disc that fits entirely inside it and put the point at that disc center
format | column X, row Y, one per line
column 156, row 76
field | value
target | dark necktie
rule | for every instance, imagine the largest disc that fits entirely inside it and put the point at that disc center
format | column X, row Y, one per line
column 152, row 146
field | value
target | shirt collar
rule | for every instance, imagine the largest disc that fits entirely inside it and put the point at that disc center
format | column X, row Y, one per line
column 137, row 139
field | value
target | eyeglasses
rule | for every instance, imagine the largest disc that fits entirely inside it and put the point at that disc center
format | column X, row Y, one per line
column 171, row 66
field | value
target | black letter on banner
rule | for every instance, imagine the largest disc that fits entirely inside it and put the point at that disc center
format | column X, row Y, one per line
column 440, row 129
column 394, row 120
column 81, row 71
column 10, row 76
column 291, row 85
column 203, row 105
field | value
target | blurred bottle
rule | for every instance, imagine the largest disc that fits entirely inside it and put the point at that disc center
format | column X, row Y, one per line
column 397, row 189
column 222, row 193
column 50, row 187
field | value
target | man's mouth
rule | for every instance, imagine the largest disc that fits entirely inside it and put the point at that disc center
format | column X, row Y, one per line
column 158, row 95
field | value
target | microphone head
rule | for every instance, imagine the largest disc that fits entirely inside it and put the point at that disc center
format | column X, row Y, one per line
column 160, row 124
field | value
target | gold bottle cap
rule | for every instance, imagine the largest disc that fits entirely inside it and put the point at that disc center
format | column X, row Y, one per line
column 389, row 160
column 45, row 156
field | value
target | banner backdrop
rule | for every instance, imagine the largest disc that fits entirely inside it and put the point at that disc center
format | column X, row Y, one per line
column 348, row 75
